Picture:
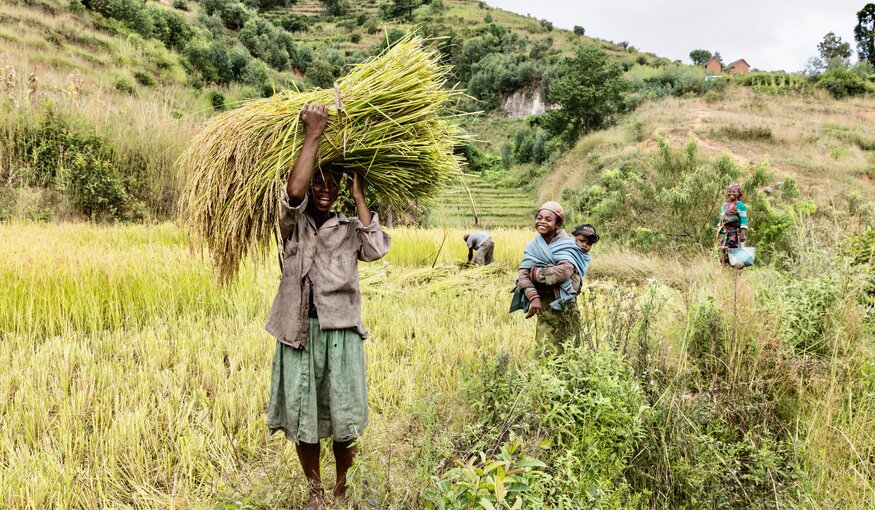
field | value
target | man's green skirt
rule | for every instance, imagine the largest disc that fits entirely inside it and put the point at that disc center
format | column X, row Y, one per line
column 319, row 391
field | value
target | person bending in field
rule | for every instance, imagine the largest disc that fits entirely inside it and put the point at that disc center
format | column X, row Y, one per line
column 482, row 244
column 549, row 279
column 732, row 228
column 318, row 388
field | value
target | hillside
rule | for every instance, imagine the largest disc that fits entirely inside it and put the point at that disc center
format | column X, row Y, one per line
column 134, row 81
column 131, row 379
column 827, row 145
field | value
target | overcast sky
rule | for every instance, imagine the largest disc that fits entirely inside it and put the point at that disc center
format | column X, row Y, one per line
column 768, row 34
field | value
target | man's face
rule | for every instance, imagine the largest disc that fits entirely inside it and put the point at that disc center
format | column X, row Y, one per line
column 324, row 191
column 583, row 243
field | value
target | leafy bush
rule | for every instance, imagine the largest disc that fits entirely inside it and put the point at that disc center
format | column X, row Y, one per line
column 677, row 82
column 233, row 14
column 214, row 62
column 294, row 23
column 267, row 42
column 144, row 78
column 510, row 480
column 123, row 85
column 672, row 200
column 746, row 133
column 583, row 408
column 322, row 73
column 171, row 28
column 773, row 83
column 533, row 145
column 480, row 161
column 842, row 83
column 182, row 5
column 497, row 75
column 98, row 181
column 148, row 20
column 217, row 100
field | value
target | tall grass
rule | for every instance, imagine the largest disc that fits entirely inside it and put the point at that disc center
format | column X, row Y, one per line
column 131, row 379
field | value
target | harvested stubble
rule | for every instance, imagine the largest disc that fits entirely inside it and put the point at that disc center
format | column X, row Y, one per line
column 391, row 122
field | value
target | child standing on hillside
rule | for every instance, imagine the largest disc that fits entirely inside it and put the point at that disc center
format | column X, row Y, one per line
column 732, row 228
column 318, row 386
column 561, row 264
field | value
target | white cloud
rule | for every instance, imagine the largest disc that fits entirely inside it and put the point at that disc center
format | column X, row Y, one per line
column 768, row 34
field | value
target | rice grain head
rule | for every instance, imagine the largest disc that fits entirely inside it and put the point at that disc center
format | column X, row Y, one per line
column 391, row 121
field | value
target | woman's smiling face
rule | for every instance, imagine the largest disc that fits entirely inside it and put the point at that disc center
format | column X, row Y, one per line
column 546, row 222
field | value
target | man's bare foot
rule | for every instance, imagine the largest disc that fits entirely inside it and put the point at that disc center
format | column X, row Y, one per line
column 340, row 497
column 315, row 503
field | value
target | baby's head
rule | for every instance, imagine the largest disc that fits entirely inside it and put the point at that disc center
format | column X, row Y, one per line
column 585, row 236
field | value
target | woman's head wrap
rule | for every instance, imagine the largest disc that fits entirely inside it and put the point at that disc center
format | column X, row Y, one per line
column 737, row 187
column 553, row 207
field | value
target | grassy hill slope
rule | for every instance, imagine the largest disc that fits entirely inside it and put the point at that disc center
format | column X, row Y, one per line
column 826, row 144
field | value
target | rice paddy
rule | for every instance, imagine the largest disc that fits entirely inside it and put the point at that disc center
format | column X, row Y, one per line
column 132, row 380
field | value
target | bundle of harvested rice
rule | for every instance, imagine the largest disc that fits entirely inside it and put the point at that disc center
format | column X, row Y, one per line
column 390, row 121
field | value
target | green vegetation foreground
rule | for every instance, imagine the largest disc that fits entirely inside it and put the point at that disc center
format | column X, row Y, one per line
column 131, row 380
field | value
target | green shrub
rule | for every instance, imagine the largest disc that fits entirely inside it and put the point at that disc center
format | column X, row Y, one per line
column 217, row 100
column 842, row 83
column 497, row 75
column 96, row 186
column 144, row 78
column 480, row 161
column 746, row 133
column 214, row 62
column 123, row 85
column 39, row 214
column 182, row 5
column 509, row 480
column 322, row 73
column 267, row 42
column 233, row 14
column 582, row 408
column 98, row 181
column 672, row 200
column 355, row 38
column 533, row 145
column 294, row 23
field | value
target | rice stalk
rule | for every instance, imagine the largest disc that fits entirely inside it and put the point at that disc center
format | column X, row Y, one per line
column 390, row 122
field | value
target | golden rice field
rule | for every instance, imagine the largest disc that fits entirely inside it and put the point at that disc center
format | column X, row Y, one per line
column 131, row 380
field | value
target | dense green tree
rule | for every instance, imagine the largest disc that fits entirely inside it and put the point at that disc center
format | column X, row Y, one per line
column 588, row 89
column 497, row 75
column 579, row 30
column 267, row 42
column 700, row 57
column 864, row 34
column 833, row 50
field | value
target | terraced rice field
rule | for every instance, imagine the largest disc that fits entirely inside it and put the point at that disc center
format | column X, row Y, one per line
column 492, row 206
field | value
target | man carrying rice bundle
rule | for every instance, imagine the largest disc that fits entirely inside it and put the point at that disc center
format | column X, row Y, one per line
column 318, row 387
